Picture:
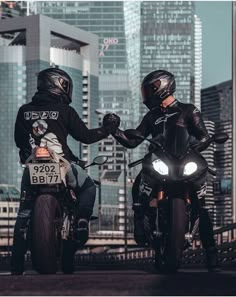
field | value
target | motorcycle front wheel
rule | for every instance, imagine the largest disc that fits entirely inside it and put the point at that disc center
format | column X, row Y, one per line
column 169, row 252
column 45, row 236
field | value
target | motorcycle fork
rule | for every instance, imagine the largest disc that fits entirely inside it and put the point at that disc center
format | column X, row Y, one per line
column 154, row 205
column 188, row 234
column 193, row 226
column 68, row 215
column 188, row 205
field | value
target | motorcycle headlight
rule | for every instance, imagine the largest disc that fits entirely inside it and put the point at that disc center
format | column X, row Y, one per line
column 190, row 168
column 160, row 167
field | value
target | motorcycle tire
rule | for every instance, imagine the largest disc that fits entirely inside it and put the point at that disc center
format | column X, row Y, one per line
column 67, row 260
column 45, row 237
column 169, row 254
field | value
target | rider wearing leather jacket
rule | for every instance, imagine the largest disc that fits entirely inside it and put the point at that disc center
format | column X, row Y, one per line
column 164, row 113
column 47, row 120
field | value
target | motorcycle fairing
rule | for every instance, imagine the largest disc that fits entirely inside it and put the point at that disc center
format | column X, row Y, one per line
column 176, row 141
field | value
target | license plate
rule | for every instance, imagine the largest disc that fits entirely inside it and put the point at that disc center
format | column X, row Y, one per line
column 45, row 173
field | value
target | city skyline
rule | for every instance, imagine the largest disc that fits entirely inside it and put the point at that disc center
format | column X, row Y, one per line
column 216, row 39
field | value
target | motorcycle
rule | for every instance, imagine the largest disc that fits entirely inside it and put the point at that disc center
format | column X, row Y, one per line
column 171, row 167
column 50, row 228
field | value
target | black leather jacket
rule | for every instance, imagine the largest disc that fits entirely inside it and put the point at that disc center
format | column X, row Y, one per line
column 176, row 114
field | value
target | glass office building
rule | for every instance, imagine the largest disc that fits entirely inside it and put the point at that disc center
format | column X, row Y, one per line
column 197, row 79
column 216, row 102
column 12, row 96
column 209, row 155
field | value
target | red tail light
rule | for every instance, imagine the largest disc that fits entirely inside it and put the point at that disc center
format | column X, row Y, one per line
column 42, row 152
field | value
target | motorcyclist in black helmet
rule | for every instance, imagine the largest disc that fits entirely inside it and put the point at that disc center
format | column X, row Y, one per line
column 49, row 119
column 157, row 90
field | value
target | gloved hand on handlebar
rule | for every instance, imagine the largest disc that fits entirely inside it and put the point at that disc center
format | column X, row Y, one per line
column 111, row 122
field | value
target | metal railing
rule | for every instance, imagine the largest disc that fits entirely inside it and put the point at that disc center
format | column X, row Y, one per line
column 143, row 258
column 225, row 239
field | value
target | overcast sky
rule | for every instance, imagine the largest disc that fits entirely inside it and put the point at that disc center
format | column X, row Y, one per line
column 216, row 17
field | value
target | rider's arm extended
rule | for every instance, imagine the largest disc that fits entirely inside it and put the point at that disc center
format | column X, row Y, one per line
column 120, row 136
column 197, row 128
column 79, row 131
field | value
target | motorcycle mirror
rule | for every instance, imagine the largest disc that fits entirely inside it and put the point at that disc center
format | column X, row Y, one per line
column 132, row 133
column 100, row 160
column 220, row 137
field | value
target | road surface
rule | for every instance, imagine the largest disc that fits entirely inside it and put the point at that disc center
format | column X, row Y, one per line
column 120, row 283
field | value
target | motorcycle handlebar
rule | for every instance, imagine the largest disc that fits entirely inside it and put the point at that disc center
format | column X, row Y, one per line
column 211, row 171
column 135, row 163
column 79, row 162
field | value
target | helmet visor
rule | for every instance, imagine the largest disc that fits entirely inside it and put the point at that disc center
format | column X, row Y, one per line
column 66, row 86
column 149, row 90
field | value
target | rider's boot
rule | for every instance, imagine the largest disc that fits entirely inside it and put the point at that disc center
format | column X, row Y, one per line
column 208, row 241
column 19, row 247
column 82, row 231
column 81, row 228
column 212, row 262
column 139, row 231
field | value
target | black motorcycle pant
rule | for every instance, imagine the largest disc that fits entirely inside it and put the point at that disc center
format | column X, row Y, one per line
column 141, row 192
column 85, row 190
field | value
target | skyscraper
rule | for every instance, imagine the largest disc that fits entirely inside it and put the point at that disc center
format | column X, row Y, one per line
column 30, row 51
column 216, row 104
column 208, row 154
column 197, row 79
column 234, row 115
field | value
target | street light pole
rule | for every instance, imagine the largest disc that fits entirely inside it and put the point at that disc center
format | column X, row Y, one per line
column 80, row 150
column 125, row 203
column 8, row 224
column 99, row 113
column 234, row 113
column 99, row 186
column 99, row 206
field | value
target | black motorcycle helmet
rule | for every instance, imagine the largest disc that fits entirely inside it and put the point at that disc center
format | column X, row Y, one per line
column 57, row 82
column 156, row 87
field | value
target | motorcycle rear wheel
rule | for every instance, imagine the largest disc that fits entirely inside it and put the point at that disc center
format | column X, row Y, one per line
column 45, row 237
column 169, row 253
